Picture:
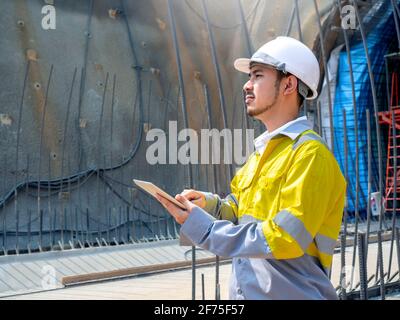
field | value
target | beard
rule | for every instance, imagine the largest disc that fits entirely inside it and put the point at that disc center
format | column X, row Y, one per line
column 256, row 112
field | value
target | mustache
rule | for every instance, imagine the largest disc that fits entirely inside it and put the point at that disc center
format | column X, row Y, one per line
column 247, row 93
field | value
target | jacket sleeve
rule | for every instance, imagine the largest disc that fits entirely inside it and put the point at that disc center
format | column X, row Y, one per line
column 223, row 238
column 222, row 209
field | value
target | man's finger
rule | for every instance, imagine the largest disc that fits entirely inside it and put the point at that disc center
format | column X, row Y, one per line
column 171, row 207
column 184, row 201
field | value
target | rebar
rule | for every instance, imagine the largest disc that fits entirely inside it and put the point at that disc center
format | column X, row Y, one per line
column 185, row 120
column 19, row 135
column 375, row 104
column 396, row 22
column 203, row 296
column 369, row 178
column 326, row 73
column 342, row 280
column 380, row 264
column 363, row 266
column 219, row 81
column 41, row 136
column 398, row 249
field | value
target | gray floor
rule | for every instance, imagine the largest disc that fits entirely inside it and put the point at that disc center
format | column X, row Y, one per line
column 38, row 276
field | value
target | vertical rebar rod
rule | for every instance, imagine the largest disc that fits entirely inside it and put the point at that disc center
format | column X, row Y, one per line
column 342, row 281
column 41, row 137
column 380, row 263
column 353, row 262
column 4, row 204
column 29, row 228
column 290, row 21
column 128, row 224
column 326, row 73
column 49, row 195
column 88, row 35
column 396, row 22
column 63, row 148
column 80, row 151
column 346, row 169
column 375, row 104
column 41, row 229
column 53, row 229
column 27, row 173
column 105, row 201
column 138, row 70
column 87, row 226
column 121, row 175
column 343, row 237
column 109, row 225
column 203, row 296
column 119, row 224
column 63, row 224
column 69, row 202
column 245, row 29
column 112, row 121
column 134, row 237
column 394, row 211
column 99, row 152
column 17, row 232
column 180, row 76
column 21, row 104
column 50, row 231
column 209, row 122
column 298, row 20
column 219, row 81
column 387, row 83
column 140, row 225
column 185, row 119
column 208, row 107
column 369, row 179
column 107, row 212
column 319, row 117
column 355, row 116
column 81, row 219
column 362, row 259
column 134, row 191
column 398, row 250
column 76, row 226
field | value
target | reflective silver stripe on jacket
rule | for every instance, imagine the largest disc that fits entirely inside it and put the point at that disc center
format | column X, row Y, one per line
column 295, row 227
column 233, row 198
column 325, row 244
column 307, row 137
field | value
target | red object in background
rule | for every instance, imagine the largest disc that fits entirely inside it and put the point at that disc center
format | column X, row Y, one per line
column 385, row 117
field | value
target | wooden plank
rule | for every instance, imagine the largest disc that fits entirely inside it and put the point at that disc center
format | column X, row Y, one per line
column 69, row 280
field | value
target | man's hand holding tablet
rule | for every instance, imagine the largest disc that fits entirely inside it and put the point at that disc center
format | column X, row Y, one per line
column 179, row 207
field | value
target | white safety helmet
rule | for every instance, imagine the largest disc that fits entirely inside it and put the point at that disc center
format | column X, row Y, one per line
column 289, row 56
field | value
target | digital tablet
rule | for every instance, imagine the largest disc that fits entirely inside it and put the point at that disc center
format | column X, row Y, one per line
column 153, row 190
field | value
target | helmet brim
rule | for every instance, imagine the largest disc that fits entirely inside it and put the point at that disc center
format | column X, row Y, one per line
column 242, row 65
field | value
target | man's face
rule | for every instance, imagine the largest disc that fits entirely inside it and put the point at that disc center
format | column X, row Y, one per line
column 262, row 90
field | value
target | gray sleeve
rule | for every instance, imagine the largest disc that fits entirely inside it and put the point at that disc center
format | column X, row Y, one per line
column 225, row 239
column 222, row 209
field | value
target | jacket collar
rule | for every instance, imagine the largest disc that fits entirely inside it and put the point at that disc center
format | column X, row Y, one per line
column 291, row 129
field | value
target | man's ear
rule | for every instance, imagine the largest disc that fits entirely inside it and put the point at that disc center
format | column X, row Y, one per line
column 290, row 85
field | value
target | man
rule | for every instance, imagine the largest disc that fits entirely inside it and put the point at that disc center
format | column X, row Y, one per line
column 282, row 219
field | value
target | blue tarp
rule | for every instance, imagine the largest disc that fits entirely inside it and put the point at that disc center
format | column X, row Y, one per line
column 380, row 41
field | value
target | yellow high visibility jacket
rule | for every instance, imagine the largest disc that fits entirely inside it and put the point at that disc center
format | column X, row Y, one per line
column 297, row 190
